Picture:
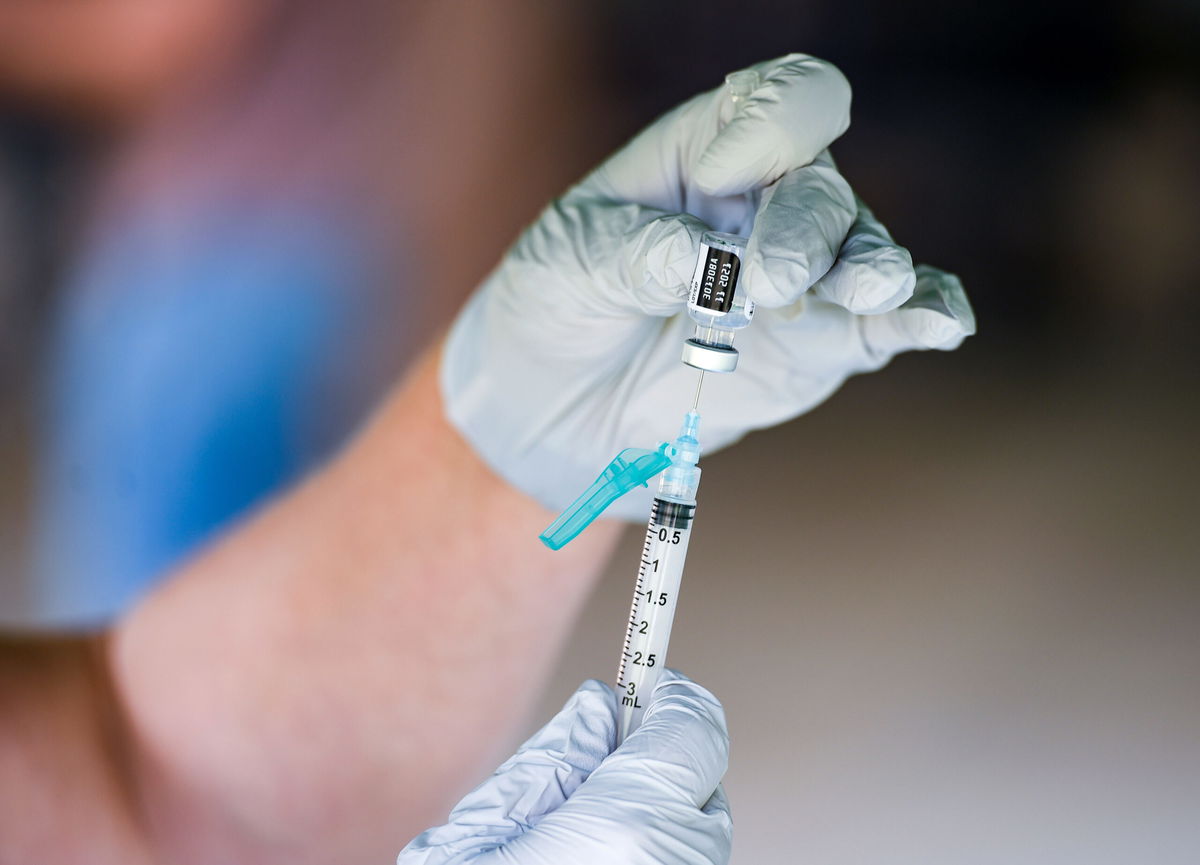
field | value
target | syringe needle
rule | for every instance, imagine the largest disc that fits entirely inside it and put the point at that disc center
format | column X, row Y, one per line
column 699, row 384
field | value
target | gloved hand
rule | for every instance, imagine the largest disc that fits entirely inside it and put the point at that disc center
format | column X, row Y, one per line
column 563, row 797
column 570, row 350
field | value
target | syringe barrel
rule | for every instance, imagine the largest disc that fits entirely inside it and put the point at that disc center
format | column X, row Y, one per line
column 648, row 636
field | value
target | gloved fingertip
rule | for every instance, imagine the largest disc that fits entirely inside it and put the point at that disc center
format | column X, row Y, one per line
column 886, row 276
column 943, row 292
column 674, row 682
column 924, row 328
column 874, row 295
column 594, row 685
column 777, row 281
column 670, row 674
column 932, row 330
column 966, row 320
column 718, row 802
column 594, row 690
column 719, row 818
column 683, row 693
column 870, row 282
column 598, row 701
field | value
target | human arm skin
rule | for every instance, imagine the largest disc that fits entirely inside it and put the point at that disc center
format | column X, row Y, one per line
column 322, row 684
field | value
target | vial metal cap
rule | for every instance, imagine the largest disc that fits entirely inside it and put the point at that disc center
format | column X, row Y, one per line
column 710, row 358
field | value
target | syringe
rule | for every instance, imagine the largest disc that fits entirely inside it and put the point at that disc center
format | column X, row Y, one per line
column 719, row 306
column 649, row 630
column 648, row 634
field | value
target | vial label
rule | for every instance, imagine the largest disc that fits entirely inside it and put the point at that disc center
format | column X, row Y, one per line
column 715, row 279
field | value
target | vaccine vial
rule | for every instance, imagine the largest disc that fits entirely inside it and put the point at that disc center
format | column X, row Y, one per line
column 717, row 303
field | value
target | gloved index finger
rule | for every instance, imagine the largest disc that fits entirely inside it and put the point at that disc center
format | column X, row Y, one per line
column 801, row 107
column 802, row 221
column 872, row 274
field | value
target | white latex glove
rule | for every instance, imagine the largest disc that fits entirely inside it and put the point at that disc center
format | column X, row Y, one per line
column 564, row 798
column 570, row 350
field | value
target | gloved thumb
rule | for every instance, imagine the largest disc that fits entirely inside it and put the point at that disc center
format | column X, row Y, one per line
column 938, row 315
column 654, row 799
column 681, row 749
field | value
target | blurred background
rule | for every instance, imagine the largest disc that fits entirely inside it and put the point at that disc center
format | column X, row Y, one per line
column 961, row 623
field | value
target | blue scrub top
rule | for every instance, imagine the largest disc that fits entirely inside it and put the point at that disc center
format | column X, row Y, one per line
column 198, row 367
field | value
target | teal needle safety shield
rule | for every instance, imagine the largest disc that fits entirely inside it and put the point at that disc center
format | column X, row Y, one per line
column 630, row 468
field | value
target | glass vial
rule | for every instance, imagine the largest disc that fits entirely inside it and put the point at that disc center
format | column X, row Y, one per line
column 717, row 303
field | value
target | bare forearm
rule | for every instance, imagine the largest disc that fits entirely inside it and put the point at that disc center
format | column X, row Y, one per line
column 325, row 680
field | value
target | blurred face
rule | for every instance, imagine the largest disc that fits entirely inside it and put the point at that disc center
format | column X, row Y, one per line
column 112, row 58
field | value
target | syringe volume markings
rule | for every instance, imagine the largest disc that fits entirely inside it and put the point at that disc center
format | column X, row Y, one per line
column 664, row 550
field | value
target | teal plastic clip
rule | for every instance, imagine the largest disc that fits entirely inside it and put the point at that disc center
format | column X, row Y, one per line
column 630, row 468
